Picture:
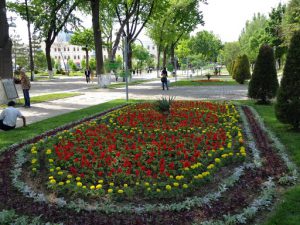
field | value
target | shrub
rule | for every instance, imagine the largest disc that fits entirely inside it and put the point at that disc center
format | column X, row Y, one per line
column 264, row 83
column 241, row 69
column 164, row 104
column 229, row 67
column 287, row 108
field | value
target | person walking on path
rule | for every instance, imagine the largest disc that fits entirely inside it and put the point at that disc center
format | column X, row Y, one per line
column 87, row 74
column 25, row 83
column 8, row 117
column 164, row 79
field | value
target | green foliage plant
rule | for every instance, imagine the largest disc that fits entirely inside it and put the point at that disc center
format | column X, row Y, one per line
column 287, row 108
column 242, row 69
column 164, row 104
column 264, row 83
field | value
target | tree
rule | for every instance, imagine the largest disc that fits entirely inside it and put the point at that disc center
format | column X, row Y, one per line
column 242, row 69
column 5, row 45
column 141, row 54
column 274, row 31
column 287, row 108
column 264, row 84
column 230, row 52
column 85, row 39
column 49, row 17
column 291, row 20
column 40, row 61
column 207, row 44
column 253, row 36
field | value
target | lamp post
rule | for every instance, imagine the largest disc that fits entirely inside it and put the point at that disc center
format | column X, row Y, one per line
column 30, row 44
column 126, row 64
column 13, row 25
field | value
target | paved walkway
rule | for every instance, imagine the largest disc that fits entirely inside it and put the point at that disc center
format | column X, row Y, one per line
column 92, row 95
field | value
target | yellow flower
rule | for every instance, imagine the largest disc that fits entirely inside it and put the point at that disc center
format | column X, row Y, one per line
column 58, row 168
column 137, row 183
column 92, row 187
column 217, row 160
column 51, row 177
column 68, row 181
column 176, row 184
column 61, row 183
column 168, row 187
column 111, row 184
column 99, row 186
column 33, row 169
column 33, row 161
column 60, row 173
column 185, row 186
column 157, row 190
column 125, row 185
column 148, row 189
column 210, row 166
column 51, row 170
column 146, row 184
column 100, row 181
column 79, row 184
column 120, row 191
column 110, row 190
column 52, row 181
column 78, row 178
column 51, row 160
column 69, row 176
column 48, row 152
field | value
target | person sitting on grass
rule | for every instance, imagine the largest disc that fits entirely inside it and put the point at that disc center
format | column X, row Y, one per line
column 8, row 117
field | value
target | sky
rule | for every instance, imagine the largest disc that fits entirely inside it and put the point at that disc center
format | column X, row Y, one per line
column 225, row 18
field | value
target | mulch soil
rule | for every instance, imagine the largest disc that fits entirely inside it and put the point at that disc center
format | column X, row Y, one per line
column 232, row 201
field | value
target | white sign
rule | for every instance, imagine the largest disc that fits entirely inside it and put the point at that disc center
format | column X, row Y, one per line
column 10, row 88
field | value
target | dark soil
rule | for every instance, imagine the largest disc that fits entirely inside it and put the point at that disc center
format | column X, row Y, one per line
column 232, row 201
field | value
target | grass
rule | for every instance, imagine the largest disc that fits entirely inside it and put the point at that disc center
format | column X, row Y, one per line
column 32, row 130
column 123, row 84
column 287, row 210
column 195, row 83
column 45, row 98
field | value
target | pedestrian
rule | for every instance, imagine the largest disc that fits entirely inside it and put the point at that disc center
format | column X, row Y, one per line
column 164, row 79
column 87, row 74
column 8, row 117
column 25, row 83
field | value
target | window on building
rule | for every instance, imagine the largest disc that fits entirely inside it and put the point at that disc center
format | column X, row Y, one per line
column 55, row 49
column 74, row 49
column 74, row 56
column 55, row 57
column 78, row 49
column 65, row 57
column 64, row 49
column 78, row 57
column 68, row 57
column 59, row 49
column 68, row 49
column 153, row 47
column 148, row 47
column 58, row 57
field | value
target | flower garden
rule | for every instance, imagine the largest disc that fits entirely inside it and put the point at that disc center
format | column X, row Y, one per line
column 201, row 163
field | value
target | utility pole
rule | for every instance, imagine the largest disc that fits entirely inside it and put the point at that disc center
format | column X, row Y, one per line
column 30, row 44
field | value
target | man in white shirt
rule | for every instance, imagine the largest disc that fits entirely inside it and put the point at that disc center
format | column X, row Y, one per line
column 8, row 117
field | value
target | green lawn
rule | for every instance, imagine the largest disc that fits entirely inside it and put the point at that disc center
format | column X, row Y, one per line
column 123, row 84
column 45, row 98
column 195, row 83
column 287, row 211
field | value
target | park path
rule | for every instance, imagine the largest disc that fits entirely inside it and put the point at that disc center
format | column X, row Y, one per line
column 90, row 95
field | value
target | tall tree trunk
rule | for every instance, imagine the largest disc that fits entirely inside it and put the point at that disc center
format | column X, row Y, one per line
column 165, row 57
column 5, row 44
column 158, row 61
column 129, row 57
column 48, row 57
column 172, row 55
column 95, row 6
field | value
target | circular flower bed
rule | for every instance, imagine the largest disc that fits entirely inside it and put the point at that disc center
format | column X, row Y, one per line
column 135, row 165
column 137, row 152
